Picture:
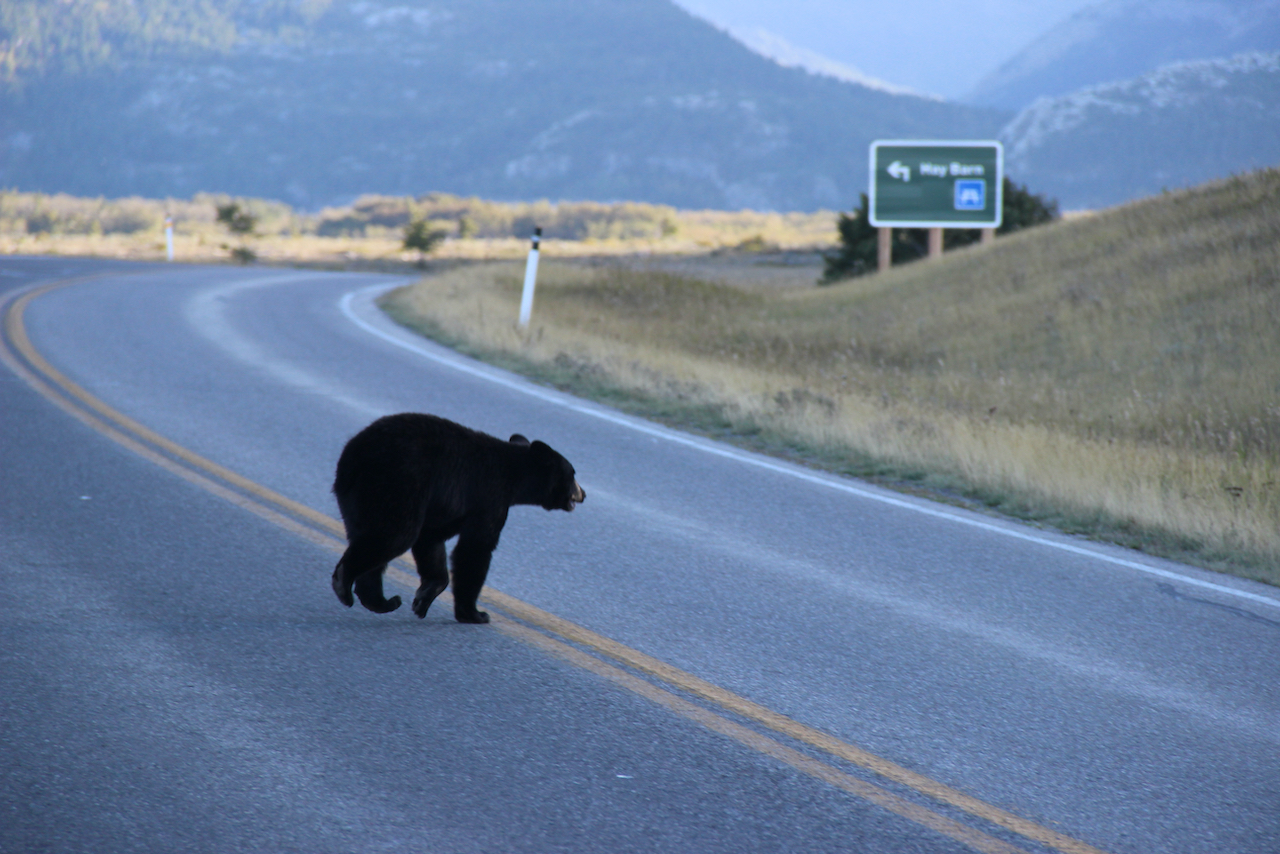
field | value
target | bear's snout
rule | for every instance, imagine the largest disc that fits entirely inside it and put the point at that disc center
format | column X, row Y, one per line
column 579, row 495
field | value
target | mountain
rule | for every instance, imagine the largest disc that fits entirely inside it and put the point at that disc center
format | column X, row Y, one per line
column 318, row 102
column 1182, row 124
column 773, row 46
column 1123, row 39
column 937, row 46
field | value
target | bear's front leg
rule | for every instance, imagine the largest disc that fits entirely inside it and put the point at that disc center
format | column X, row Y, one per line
column 471, row 558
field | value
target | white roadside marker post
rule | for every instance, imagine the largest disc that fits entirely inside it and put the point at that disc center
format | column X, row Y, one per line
column 168, row 237
column 530, row 279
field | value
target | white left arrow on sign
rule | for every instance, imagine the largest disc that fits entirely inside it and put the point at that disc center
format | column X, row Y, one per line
column 897, row 170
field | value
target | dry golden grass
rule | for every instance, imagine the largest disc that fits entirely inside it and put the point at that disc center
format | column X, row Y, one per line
column 1117, row 374
column 132, row 228
column 355, row 252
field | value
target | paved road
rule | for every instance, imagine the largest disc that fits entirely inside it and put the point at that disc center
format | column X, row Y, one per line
column 717, row 652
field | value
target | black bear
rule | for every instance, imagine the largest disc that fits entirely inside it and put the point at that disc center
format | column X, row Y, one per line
column 409, row 482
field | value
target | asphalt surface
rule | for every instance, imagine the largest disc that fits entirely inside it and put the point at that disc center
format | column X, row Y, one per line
column 176, row 673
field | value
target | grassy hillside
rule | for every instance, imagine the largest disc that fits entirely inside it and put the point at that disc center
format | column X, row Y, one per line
column 1117, row 375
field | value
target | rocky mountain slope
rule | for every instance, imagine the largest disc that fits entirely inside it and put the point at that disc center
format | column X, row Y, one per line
column 1124, row 39
column 1179, row 125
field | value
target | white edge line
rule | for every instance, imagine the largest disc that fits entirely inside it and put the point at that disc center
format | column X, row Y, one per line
column 488, row 373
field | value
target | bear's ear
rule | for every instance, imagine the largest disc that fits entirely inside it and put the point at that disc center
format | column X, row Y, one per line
column 549, row 455
column 542, row 451
column 517, row 439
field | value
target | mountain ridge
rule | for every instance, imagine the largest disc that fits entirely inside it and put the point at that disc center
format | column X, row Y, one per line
column 1124, row 39
column 594, row 99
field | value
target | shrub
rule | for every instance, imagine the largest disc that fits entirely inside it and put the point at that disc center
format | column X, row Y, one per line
column 237, row 220
column 241, row 223
column 858, row 249
column 419, row 235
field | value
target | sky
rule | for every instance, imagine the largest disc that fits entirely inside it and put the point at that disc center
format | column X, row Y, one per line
column 933, row 47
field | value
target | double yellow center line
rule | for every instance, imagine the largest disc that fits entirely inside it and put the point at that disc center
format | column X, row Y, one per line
column 720, row 710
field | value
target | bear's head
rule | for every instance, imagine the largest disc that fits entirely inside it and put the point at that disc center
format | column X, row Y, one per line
column 555, row 485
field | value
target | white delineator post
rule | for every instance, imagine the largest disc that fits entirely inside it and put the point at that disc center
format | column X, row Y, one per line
column 168, row 237
column 530, row 279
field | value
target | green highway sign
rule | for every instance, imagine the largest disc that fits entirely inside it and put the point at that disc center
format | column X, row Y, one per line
column 924, row 184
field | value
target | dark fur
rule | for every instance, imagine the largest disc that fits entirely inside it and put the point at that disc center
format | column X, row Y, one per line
column 409, row 482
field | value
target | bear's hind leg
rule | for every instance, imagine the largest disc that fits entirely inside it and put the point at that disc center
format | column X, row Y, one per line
column 342, row 582
column 429, row 555
column 368, row 587
column 361, row 558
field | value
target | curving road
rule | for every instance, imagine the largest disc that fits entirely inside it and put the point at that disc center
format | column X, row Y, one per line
column 718, row 652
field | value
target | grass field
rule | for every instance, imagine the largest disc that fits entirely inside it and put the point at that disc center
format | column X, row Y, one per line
column 369, row 234
column 1116, row 375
